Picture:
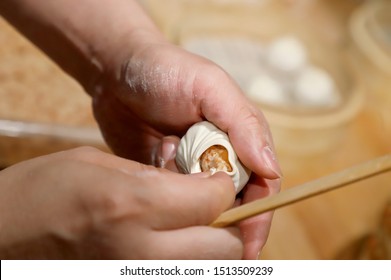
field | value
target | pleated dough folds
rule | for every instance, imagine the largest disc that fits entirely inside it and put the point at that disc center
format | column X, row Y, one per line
column 197, row 140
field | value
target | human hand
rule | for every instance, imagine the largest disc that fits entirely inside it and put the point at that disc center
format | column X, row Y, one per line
column 145, row 89
column 162, row 91
column 86, row 204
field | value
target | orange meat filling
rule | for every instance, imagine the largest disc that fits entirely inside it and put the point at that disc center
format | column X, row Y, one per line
column 215, row 158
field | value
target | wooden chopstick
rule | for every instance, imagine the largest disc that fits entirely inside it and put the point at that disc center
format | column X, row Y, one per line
column 336, row 180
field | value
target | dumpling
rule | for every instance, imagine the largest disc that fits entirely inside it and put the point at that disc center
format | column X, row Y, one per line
column 205, row 147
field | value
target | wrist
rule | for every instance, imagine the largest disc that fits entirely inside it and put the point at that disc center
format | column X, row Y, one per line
column 87, row 39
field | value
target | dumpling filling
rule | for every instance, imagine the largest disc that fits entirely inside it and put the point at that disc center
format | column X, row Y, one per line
column 206, row 148
column 214, row 159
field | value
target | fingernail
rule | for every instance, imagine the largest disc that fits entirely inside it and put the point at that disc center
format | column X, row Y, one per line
column 270, row 160
column 163, row 152
column 168, row 151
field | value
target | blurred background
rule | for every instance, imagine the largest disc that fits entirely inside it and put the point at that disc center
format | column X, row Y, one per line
column 320, row 70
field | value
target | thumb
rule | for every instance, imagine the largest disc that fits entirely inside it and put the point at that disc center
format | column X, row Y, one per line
column 246, row 126
column 252, row 140
column 248, row 132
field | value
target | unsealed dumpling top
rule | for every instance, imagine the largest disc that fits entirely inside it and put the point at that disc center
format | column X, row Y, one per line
column 205, row 137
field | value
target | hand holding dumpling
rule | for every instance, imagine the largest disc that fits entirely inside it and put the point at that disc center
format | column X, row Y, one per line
column 206, row 148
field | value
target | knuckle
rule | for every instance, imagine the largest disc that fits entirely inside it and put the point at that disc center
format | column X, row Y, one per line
column 82, row 153
column 85, row 151
column 105, row 205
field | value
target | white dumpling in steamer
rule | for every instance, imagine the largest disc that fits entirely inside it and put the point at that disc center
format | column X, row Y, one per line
column 205, row 147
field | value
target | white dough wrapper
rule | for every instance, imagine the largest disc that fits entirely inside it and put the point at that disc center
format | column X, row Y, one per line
column 197, row 140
